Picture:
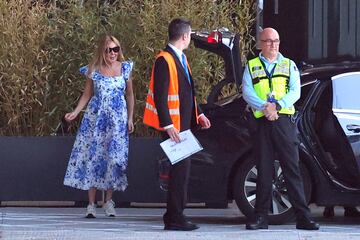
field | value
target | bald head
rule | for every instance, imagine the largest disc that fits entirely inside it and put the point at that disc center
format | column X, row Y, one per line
column 269, row 33
column 269, row 43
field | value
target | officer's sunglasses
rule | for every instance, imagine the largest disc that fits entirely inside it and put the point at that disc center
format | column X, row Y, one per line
column 114, row 49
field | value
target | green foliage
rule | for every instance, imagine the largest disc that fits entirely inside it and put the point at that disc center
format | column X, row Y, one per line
column 44, row 45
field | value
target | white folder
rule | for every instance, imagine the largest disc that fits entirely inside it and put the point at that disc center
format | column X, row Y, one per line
column 185, row 148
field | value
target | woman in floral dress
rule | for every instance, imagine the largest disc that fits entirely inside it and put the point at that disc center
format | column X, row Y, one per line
column 100, row 153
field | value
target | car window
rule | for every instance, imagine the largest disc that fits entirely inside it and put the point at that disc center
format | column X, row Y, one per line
column 346, row 107
column 346, row 91
column 223, row 92
column 228, row 92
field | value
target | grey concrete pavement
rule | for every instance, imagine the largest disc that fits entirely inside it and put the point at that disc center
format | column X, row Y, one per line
column 146, row 223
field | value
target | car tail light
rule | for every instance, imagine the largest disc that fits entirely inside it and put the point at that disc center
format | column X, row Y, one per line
column 214, row 37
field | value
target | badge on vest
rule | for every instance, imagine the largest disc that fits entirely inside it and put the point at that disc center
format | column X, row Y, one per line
column 271, row 97
column 255, row 68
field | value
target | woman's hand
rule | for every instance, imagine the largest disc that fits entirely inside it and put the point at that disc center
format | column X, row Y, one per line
column 71, row 116
column 130, row 126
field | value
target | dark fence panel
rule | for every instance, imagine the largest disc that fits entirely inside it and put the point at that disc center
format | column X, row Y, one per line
column 33, row 169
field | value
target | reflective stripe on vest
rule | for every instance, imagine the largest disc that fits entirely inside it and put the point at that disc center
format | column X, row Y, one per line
column 170, row 97
column 279, row 82
column 151, row 117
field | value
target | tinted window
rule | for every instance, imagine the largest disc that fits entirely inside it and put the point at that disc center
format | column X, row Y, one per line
column 346, row 107
column 346, row 89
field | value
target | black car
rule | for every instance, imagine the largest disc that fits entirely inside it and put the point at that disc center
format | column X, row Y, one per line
column 328, row 120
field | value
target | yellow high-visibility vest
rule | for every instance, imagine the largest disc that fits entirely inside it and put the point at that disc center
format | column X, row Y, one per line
column 278, row 85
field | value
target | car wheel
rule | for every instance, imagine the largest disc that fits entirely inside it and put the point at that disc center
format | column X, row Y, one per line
column 244, row 190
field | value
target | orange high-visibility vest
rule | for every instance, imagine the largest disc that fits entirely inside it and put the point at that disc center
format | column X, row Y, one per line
column 151, row 117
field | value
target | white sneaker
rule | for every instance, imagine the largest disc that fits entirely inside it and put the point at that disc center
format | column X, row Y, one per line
column 109, row 208
column 91, row 211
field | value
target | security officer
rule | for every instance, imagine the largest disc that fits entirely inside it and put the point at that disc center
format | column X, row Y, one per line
column 271, row 86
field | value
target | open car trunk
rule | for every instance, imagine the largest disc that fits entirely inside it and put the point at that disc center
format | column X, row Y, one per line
column 225, row 44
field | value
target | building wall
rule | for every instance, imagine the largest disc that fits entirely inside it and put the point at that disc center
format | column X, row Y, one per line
column 315, row 30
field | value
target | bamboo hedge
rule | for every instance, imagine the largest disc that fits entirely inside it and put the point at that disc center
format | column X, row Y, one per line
column 43, row 44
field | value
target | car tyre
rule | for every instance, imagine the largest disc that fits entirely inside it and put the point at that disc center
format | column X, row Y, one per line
column 244, row 191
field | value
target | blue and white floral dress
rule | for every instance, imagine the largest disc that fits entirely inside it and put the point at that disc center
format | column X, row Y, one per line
column 100, row 153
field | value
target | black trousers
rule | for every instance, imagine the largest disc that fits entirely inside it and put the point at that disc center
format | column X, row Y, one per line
column 278, row 137
column 177, row 190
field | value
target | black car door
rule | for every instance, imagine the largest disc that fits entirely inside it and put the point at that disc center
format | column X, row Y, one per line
column 325, row 136
column 346, row 107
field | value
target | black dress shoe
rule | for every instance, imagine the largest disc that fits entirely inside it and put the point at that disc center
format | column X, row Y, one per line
column 351, row 212
column 258, row 223
column 307, row 224
column 329, row 212
column 184, row 226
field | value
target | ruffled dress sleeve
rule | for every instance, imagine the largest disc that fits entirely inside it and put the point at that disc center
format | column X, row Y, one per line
column 126, row 69
column 83, row 70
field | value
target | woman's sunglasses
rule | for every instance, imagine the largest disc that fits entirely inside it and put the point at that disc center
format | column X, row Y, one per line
column 114, row 49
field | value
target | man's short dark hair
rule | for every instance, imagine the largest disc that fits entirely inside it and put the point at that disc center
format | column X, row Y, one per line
column 178, row 27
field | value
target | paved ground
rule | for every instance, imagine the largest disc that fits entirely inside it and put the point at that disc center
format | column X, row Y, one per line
column 146, row 223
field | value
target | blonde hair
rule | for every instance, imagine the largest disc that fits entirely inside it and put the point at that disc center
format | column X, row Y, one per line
column 99, row 57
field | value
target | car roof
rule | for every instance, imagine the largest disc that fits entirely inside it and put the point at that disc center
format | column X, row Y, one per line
column 326, row 71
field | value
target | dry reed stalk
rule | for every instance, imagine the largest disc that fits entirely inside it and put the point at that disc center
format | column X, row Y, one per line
column 43, row 46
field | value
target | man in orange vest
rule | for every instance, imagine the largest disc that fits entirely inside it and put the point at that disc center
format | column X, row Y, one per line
column 171, row 108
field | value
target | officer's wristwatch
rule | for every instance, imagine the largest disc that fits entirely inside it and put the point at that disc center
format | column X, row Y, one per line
column 278, row 106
